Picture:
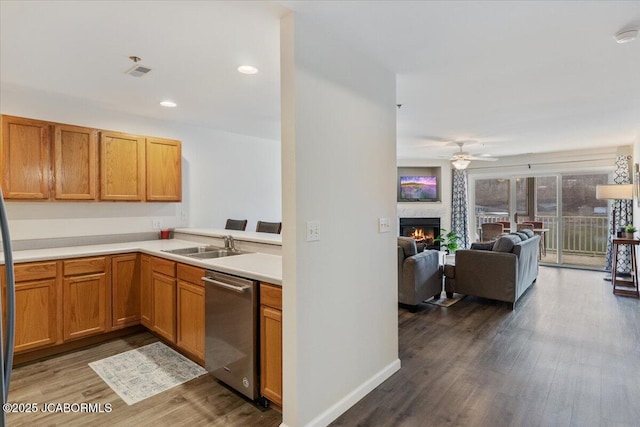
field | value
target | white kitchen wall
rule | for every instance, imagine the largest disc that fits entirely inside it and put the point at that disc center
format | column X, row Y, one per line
column 339, row 169
column 224, row 175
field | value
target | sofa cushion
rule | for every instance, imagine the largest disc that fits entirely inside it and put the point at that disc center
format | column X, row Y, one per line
column 506, row 243
column 408, row 245
column 482, row 246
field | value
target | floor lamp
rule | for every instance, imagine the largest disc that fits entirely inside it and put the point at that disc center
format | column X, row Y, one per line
column 614, row 192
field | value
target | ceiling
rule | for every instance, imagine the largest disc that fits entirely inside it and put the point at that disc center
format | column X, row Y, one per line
column 517, row 77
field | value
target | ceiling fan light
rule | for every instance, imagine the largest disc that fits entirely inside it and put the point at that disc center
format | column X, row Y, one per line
column 626, row 36
column 460, row 164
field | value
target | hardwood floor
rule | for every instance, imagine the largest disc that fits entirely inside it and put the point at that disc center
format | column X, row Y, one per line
column 68, row 378
column 569, row 355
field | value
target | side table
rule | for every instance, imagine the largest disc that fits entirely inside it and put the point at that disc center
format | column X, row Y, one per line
column 627, row 286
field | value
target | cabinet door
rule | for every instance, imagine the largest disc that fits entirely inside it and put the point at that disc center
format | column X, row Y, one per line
column 163, row 294
column 271, row 354
column 75, row 157
column 146, row 314
column 191, row 318
column 36, row 305
column 125, row 290
column 84, row 305
column 25, row 161
column 164, row 170
column 122, row 166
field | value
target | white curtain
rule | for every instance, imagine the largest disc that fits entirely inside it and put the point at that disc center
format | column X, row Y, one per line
column 623, row 216
column 460, row 208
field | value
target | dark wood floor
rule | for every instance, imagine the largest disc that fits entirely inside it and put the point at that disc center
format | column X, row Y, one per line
column 569, row 355
column 68, row 378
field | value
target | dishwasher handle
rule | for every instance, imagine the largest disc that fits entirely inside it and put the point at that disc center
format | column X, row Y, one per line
column 239, row 289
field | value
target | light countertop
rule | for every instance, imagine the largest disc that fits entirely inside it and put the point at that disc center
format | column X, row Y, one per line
column 249, row 236
column 257, row 266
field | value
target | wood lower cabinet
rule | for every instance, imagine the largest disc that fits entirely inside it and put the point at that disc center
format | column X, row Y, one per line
column 190, row 306
column 163, row 298
column 125, row 290
column 75, row 163
column 146, row 315
column 84, row 297
column 122, row 166
column 37, row 308
column 271, row 342
column 164, row 170
column 25, row 158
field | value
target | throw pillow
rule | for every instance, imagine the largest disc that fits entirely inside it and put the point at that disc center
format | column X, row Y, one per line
column 506, row 243
column 528, row 232
column 521, row 235
column 484, row 246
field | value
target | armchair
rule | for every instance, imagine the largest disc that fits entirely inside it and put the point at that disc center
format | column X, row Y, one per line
column 419, row 274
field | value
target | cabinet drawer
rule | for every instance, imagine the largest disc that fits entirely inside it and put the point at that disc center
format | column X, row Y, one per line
column 190, row 274
column 163, row 266
column 35, row 271
column 84, row 266
column 271, row 295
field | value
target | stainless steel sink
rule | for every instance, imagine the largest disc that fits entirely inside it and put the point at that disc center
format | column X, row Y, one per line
column 216, row 254
column 190, row 251
column 204, row 252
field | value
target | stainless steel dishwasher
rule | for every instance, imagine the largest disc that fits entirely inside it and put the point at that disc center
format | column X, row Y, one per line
column 231, row 331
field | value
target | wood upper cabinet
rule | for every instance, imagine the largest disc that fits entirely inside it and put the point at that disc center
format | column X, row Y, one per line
column 25, row 162
column 164, row 170
column 75, row 160
column 125, row 290
column 271, row 342
column 37, row 313
column 122, row 166
column 190, row 304
column 85, row 297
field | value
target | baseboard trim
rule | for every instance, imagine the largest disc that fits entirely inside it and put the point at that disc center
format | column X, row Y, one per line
column 352, row 398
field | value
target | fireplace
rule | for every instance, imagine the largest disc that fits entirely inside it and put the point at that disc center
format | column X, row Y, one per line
column 423, row 230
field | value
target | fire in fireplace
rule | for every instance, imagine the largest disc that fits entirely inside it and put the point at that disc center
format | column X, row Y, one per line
column 423, row 230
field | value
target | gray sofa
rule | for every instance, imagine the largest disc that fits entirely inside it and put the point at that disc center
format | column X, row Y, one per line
column 502, row 271
column 419, row 274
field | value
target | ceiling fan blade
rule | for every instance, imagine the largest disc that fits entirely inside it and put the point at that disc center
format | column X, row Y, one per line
column 483, row 159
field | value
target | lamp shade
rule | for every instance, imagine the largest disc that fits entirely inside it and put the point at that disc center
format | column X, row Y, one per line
column 614, row 192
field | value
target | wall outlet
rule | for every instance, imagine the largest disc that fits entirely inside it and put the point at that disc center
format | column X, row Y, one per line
column 384, row 225
column 156, row 224
column 313, row 231
column 183, row 215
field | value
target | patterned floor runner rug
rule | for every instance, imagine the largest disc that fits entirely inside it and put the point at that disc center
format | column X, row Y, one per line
column 146, row 371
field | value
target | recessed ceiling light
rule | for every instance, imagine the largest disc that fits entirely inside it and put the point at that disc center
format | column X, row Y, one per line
column 168, row 103
column 247, row 69
column 626, row 36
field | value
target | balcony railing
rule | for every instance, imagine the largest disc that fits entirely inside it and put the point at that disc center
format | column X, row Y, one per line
column 580, row 234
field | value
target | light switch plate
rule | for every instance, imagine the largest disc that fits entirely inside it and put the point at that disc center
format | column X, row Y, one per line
column 384, row 225
column 313, row 231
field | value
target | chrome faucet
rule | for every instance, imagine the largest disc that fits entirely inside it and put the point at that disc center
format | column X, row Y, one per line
column 229, row 243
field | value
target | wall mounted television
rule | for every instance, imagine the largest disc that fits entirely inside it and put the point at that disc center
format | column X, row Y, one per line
column 418, row 189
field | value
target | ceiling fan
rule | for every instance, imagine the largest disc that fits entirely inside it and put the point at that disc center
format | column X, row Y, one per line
column 461, row 159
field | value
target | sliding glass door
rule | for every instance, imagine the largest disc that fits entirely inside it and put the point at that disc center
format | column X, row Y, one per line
column 571, row 221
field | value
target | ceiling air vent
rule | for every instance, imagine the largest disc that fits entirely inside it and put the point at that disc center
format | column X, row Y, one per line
column 137, row 70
